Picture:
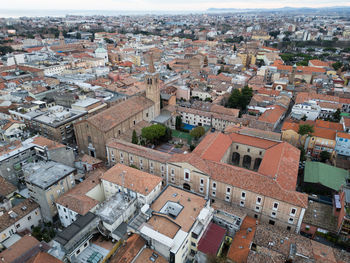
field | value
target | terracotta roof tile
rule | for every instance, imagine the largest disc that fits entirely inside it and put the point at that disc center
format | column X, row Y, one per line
column 19, row 248
column 138, row 150
column 42, row 141
column 127, row 252
column 43, row 257
column 134, row 179
column 255, row 182
column 281, row 163
column 6, row 220
column 6, row 187
column 120, row 112
column 272, row 115
column 76, row 198
column 240, row 246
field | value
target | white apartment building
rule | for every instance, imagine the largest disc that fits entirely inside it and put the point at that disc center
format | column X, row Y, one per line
column 309, row 109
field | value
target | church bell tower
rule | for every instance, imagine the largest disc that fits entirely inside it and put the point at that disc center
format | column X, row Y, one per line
column 152, row 86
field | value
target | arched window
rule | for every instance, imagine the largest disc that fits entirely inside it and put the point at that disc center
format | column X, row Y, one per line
column 236, row 158
column 247, row 161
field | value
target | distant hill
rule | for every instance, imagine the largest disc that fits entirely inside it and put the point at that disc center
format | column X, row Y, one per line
column 333, row 9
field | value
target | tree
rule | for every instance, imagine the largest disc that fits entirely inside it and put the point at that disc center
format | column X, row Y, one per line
column 247, row 94
column 197, row 132
column 168, row 135
column 337, row 65
column 305, row 129
column 336, row 116
column 5, row 49
column 324, row 156
column 153, row 133
column 108, row 40
column 302, row 154
column 233, row 101
column 304, row 118
column 134, row 140
column 178, row 123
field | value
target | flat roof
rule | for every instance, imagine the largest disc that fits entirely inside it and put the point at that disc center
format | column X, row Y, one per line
column 112, row 209
column 45, row 174
column 72, row 230
column 86, row 102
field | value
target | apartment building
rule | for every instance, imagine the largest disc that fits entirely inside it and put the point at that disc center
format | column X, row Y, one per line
column 15, row 155
column 46, row 181
column 133, row 182
column 22, row 217
column 215, row 116
column 177, row 222
column 342, row 146
column 81, row 199
column 56, row 123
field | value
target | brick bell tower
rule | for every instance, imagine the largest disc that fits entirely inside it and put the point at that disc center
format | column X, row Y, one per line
column 152, row 86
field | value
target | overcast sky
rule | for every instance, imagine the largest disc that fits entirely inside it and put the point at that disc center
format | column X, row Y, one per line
column 165, row 5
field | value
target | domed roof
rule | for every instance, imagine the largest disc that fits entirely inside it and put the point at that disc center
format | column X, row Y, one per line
column 100, row 49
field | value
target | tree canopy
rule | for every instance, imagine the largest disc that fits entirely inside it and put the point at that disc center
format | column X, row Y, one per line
column 305, row 129
column 153, row 133
column 178, row 123
column 337, row 65
column 197, row 132
column 324, row 156
column 240, row 99
column 134, row 139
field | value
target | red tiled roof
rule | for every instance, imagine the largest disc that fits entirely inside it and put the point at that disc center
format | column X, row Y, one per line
column 127, row 252
column 211, row 240
column 255, row 182
column 279, row 163
column 118, row 113
column 19, row 248
column 42, row 141
column 240, row 246
column 324, row 133
column 272, row 115
column 134, row 179
column 43, row 257
column 343, row 135
column 318, row 63
column 213, row 146
column 329, row 125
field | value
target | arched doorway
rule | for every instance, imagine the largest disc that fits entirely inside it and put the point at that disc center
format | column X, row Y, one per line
column 257, row 163
column 186, row 186
column 247, row 161
column 236, row 158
